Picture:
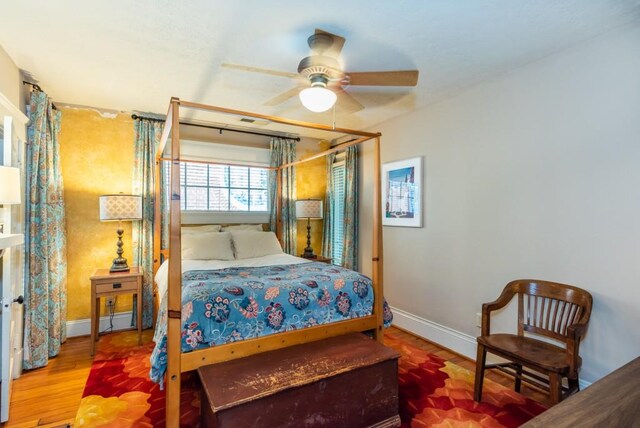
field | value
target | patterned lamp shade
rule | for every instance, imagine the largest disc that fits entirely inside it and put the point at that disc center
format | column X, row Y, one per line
column 309, row 208
column 9, row 185
column 120, row 207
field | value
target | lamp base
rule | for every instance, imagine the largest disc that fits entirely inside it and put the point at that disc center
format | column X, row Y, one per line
column 308, row 254
column 119, row 265
column 308, row 251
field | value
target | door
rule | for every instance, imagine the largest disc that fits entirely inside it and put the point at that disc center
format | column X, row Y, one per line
column 12, row 134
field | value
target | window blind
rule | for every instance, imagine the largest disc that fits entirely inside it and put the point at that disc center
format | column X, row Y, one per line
column 337, row 214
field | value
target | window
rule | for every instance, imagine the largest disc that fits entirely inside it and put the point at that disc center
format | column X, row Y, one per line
column 206, row 187
column 337, row 212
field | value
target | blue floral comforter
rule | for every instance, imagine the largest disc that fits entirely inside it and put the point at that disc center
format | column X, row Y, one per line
column 227, row 305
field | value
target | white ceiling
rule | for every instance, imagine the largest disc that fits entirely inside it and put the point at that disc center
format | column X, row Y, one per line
column 134, row 55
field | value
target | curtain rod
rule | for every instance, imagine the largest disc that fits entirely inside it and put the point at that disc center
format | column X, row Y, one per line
column 37, row 88
column 135, row 116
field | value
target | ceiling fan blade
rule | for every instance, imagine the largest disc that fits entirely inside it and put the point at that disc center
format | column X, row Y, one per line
column 338, row 42
column 260, row 70
column 384, row 78
column 347, row 102
column 283, row 97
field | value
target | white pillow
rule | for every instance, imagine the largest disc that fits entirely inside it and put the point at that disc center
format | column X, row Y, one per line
column 203, row 228
column 252, row 227
column 250, row 244
column 207, row 246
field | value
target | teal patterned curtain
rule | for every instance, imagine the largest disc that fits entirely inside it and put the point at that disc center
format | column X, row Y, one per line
column 284, row 151
column 327, row 226
column 46, row 242
column 147, row 138
column 350, row 253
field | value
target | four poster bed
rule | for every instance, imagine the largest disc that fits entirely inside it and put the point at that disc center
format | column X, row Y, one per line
column 358, row 307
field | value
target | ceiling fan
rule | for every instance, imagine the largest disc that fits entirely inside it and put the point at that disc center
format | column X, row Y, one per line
column 322, row 81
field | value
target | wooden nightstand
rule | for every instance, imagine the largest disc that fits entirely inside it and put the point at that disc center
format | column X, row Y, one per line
column 322, row 259
column 106, row 284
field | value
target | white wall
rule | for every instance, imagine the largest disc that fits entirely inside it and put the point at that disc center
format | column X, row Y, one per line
column 535, row 174
column 10, row 84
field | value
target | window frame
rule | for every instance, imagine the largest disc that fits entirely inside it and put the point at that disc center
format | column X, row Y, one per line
column 184, row 186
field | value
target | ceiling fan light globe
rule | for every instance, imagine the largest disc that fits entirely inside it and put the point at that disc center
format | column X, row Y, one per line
column 317, row 99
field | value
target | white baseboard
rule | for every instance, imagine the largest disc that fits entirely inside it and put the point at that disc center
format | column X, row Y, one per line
column 449, row 338
column 454, row 340
column 121, row 321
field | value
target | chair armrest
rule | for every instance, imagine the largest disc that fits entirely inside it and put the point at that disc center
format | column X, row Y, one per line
column 496, row 304
column 576, row 331
column 499, row 303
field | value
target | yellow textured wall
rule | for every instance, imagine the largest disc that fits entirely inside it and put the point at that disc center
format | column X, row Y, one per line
column 97, row 158
column 311, row 182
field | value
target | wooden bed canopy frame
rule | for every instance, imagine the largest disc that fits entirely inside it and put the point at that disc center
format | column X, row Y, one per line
column 178, row 362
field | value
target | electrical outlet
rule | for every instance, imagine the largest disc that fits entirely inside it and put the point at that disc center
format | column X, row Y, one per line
column 110, row 302
column 478, row 319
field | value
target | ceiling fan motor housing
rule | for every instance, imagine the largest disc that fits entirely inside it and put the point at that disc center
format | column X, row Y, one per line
column 320, row 64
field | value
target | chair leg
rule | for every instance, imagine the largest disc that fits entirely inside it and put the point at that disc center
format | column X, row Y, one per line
column 518, row 377
column 555, row 388
column 480, row 361
column 574, row 385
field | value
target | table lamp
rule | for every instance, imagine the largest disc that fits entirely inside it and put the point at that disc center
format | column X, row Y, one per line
column 308, row 209
column 120, row 208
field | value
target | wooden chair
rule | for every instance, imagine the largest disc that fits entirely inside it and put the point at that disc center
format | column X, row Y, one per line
column 549, row 309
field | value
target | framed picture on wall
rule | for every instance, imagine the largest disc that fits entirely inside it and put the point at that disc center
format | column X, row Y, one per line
column 402, row 193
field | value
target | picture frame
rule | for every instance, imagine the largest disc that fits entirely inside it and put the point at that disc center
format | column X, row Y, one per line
column 402, row 193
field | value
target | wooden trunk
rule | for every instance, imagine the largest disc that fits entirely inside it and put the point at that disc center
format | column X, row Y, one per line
column 344, row 381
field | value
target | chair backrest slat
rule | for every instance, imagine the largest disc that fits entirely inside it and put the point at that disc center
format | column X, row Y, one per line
column 554, row 320
column 550, row 306
column 559, row 319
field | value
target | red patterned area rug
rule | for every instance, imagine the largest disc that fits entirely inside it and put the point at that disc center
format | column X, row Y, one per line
column 437, row 393
column 120, row 394
column 433, row 392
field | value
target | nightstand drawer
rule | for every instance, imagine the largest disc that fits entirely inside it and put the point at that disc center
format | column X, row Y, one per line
column 115, row 286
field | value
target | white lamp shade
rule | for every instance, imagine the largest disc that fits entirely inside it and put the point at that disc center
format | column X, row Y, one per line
column 317, row 98
column 9, row 185
column 120, row 207
column 309, row 208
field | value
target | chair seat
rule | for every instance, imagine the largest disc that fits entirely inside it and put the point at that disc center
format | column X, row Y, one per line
column 534, row 352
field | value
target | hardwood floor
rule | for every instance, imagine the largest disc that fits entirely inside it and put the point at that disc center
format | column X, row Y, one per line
column 50, row 396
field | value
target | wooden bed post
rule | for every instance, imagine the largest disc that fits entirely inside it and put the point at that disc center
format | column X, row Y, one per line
column 175, row 278
column 376, row 251
column 157, row 231
column 157, row 217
